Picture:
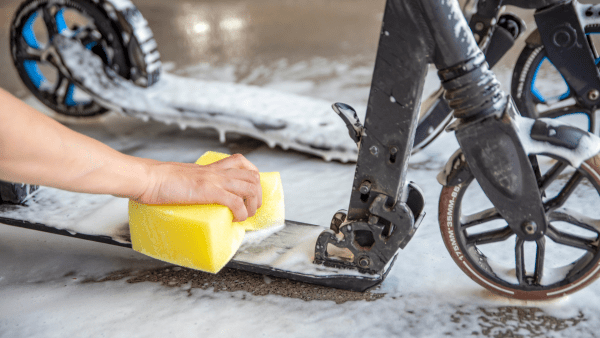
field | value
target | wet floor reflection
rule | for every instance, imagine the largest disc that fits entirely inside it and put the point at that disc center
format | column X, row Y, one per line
column 212, row 29
column 263, row 30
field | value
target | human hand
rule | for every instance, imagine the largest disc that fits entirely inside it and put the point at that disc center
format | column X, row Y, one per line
column 233, row 182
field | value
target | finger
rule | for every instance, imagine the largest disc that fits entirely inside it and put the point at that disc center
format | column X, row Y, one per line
column 235, row 203
column 251, row 205
column 252, row 194
column 260, row 195
column 240, row 188
column 236, row 161
column 249, row 176
column 242, row 175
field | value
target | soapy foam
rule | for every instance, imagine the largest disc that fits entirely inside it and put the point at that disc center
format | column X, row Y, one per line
column 292, row 121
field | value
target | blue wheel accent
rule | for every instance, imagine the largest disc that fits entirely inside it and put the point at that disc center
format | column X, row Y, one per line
column 534, row 90
column 61, row 25
column 537, row 93
column 28, row 34
column 69, row 101
column 31, row 67
column 33, row 70
column 566, row 94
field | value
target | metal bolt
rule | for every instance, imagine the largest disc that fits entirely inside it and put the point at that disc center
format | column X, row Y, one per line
column 593, row 94
column 374, row 150
column 373, row 219
column 393, row 150
column 365, row 187
column 364, row 262
column 477, row 37
column 479, row 26
column 529, row 227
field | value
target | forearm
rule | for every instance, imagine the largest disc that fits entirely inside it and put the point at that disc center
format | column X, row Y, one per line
column 36, row 149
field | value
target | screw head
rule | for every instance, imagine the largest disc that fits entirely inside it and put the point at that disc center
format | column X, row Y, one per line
column 593, row 94
column 479, row 26
column 364, row 262
column 374, row 150
column 529, row 227
column 393, row 150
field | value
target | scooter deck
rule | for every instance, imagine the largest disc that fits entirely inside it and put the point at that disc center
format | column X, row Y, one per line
column 285, row 252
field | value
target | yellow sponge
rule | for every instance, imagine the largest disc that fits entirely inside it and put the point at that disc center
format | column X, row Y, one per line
column 201, row 237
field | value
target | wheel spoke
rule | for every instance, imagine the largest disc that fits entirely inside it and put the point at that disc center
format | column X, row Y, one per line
column 63, row 92
column 539, row 260
column 60, row 97
column 570, row 240
column 62, row 83
column 552, row 174
column 564, row 194
column 492, row 236
column 50, row 21
column 520, row 261
column 479, row 218
column 29, row 53
column 537, row 171
column 575, row 218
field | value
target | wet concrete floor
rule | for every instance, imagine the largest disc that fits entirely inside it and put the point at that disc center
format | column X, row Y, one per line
column 250, row 34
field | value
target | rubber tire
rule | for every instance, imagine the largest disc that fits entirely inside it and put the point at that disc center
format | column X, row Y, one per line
column 530, row 57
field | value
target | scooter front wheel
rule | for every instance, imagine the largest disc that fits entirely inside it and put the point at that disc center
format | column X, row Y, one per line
column 486, row 249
